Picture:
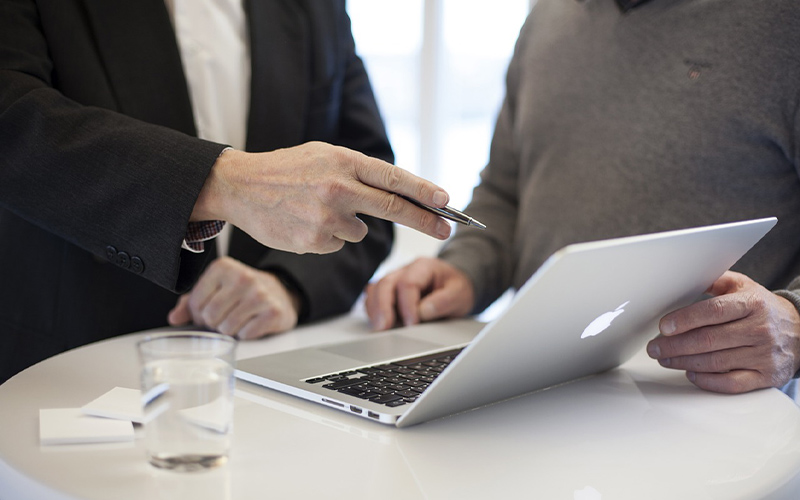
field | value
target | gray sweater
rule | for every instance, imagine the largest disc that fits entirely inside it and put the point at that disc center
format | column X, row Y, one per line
column 678, row 113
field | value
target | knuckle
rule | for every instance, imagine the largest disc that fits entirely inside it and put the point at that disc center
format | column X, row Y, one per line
column 244, row 279
column 715, row 363
column 268, row 311
column 405, row 281
column 333, row 190
column 762, row 333
column 754, row 302
column 706, row 340
column 392, row 177
column 339, row 159
column 258, row 297
column 265, row 318
column 392, row 204
column 426, row 220
column 716, row 310
column 404, row 285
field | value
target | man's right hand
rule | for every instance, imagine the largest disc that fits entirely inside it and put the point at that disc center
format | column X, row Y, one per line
column 305, row 198
column 425, row 290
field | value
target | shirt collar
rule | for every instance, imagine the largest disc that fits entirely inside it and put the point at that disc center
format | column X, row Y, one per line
column 626, row 5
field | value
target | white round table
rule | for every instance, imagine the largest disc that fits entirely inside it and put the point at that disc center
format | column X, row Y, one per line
column 638, row 432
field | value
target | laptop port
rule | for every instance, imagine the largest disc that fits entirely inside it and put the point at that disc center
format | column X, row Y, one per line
column 356, row 409
column 374, row 415
column 335, row 403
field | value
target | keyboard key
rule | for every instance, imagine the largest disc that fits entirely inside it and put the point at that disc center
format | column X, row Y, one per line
column 352, row 391
column 393, row 384
column 387, row 398
column 343, row 383
column 428, row 357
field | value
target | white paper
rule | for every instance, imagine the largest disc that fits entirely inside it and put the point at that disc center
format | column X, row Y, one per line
column 72, row 426
column 118, row 403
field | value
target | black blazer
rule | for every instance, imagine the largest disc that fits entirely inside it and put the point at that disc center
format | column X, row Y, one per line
column 100, row 165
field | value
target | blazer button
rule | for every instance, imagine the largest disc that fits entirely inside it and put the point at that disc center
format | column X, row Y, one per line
column 111, row 253
column 137, row 265
column 123, row 260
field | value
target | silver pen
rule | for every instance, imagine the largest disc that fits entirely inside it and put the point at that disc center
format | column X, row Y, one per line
column 449, row 213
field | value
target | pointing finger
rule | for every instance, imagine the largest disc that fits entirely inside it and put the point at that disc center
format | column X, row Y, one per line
column 393, row 179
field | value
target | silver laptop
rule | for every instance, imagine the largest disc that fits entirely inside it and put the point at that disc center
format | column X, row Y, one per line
column 587, row 309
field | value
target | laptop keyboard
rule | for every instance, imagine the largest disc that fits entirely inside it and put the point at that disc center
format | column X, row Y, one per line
column 391, row 384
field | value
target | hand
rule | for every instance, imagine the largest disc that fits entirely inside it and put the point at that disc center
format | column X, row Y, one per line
column 744, row 338
column 424, row 290
column 237, row 300
column 305, row 198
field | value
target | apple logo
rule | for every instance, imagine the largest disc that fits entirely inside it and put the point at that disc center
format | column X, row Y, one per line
column 603, row 321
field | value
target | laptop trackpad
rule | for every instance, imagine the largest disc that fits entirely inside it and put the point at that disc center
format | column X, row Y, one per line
column 383, row 348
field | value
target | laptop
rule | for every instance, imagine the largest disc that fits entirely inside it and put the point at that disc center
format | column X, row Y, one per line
column 589, row 308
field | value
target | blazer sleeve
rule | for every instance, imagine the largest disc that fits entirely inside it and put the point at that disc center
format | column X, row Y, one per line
column 330, row 284
column 103, row 181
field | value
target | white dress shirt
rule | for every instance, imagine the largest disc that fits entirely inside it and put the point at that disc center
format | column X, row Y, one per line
column 214, row 44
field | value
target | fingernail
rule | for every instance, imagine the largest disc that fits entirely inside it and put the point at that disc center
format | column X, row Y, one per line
column 665, row 362
column 653, row 350
column 667, row 327
column 443, row 229
column 691, row 376
column 380, row 322
column 440, row 198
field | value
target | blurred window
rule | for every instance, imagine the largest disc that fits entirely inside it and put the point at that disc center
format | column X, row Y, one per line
column 438, row 70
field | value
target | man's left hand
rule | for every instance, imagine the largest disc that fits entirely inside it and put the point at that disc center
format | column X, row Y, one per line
column 741, row 339
column 238, row 300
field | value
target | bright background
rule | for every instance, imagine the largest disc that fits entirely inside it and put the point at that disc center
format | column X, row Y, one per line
column 438, row 71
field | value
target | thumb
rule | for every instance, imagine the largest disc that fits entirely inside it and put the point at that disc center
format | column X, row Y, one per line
column 180, row 314
column 729, row 282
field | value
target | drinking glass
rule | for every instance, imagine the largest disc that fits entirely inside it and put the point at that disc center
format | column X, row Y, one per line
column 187, row 396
